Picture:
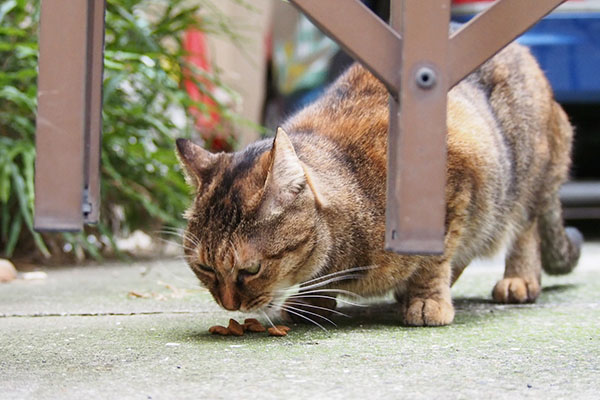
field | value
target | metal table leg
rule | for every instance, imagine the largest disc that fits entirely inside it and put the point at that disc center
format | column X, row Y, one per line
column 67, row 182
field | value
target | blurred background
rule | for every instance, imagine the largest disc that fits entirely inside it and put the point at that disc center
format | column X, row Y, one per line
column 224, row 73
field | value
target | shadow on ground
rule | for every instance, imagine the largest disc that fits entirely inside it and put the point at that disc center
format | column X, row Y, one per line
column 470, row 311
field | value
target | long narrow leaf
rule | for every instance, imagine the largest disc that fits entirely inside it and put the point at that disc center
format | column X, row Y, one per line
column 26, row 212
column 15, row 231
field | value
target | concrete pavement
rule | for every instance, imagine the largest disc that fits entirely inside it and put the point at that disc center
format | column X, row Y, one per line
column 139, row 331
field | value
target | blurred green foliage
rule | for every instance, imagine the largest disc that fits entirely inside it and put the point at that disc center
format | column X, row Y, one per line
column 144, row 110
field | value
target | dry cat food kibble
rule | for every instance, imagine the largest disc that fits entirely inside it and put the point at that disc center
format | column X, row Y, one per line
column 235, row 328
column 250, row 325
column 278, row 330
column 219, row 330
column 251, row 321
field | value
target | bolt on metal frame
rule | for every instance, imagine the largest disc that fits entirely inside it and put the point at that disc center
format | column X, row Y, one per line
column 414, row 58
column 418, row 63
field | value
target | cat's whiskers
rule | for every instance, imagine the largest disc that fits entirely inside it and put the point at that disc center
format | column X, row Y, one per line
column 193, row 241
column 180, row 245
column 170, row 229
column 177, row 234
column 322, row 296
column 326, row 282
column 298, row 288
column 307, row 286
column 181, row 233
column 288, row 308
column 282, row 307
column 191, row 236
column 316, row 307
column 338, row 291
column 346, row 271
column 267, row 317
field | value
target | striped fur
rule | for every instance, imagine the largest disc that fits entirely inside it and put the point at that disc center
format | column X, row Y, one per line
column 311, row 202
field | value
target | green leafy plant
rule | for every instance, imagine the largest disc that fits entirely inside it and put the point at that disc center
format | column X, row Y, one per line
column 144, row 109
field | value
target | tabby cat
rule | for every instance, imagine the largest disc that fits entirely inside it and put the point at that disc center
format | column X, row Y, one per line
column 308, row 207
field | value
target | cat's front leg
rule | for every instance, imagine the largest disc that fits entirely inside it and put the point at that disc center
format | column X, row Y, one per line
column 427, row 300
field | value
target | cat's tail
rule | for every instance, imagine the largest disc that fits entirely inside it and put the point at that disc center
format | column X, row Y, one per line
column 560, row 246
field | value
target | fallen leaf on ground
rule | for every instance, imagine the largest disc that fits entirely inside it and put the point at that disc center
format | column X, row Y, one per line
column 134, row 293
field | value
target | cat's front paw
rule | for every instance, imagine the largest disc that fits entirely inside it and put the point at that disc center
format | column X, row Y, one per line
column 428, row 312
column 516, row 290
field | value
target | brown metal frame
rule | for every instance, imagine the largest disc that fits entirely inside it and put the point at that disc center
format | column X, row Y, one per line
column 367, row 38
column 91, row 208
column 418, row 64
column 417, row 134
column 485, row 35
column 414, row 58
column 67, row 180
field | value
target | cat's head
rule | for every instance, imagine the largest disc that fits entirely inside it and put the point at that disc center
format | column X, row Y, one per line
column 253, row 227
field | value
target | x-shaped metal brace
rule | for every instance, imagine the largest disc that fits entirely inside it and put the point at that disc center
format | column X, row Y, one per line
column 418, row 62
column 414, row 58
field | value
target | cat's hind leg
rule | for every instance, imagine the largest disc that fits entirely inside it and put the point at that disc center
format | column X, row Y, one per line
column 427, row 300
column 522, row 273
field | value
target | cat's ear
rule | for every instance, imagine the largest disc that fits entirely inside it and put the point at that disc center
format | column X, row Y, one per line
column 285, row 178
column 195, row 160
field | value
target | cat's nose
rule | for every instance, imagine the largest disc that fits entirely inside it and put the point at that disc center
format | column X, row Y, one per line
column 229, row 298
column 230, row 305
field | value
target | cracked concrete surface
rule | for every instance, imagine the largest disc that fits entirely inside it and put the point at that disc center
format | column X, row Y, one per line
column 139, row 331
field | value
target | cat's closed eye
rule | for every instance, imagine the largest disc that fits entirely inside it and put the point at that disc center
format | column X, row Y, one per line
column 244, row 273
column 252, row 270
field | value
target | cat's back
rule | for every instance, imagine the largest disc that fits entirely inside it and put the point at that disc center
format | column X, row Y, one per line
column 352, row 114
column 500, row 134
column 507, row 91
column 343, row 135
column 504, row 119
